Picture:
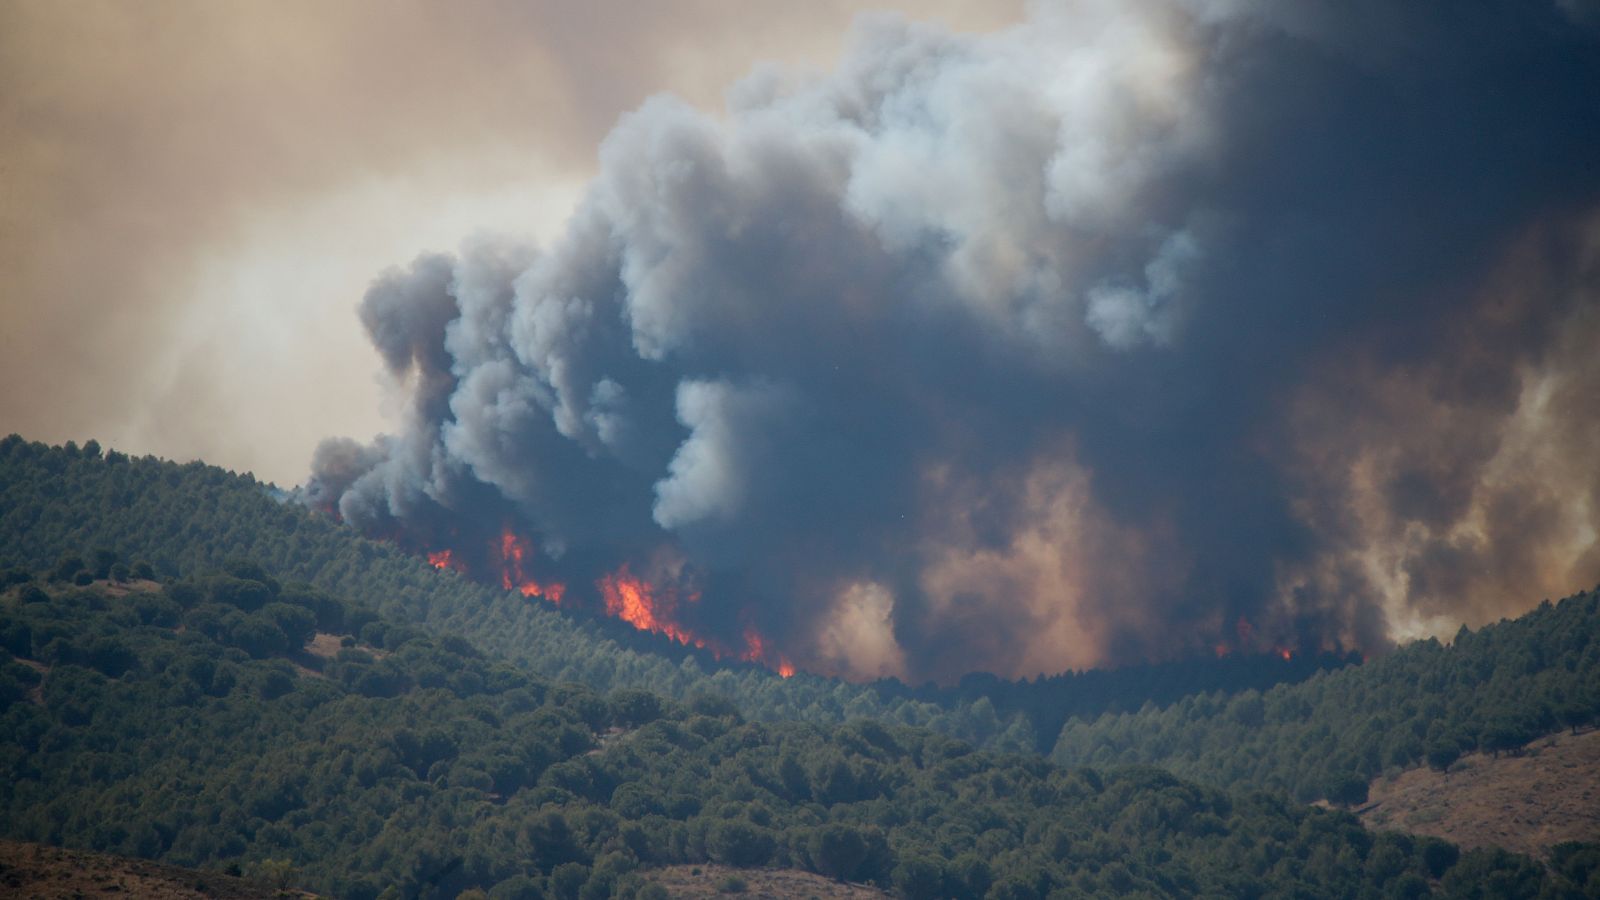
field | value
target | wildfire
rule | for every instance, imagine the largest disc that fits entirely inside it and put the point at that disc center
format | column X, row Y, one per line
column 757, row 651
column 655, row 608
column 644, row 606
column 511, row 549
column 658, row 608
column 510, row 558
column 755, row 646
column 444, row 559
column 642, row 603
column 1248, row 643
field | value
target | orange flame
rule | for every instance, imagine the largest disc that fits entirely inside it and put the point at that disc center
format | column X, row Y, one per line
column 1286, row 653
column 644, row 606
column 757, row 651
column 755, row 646
column 511, row 550
column 510, row 558
column 552, row 591
column 637, row 601
column 655, row 608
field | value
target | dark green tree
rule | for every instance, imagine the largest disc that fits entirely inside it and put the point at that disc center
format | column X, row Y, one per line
column 739, row 843
column 1443, row 754
column 837, row 850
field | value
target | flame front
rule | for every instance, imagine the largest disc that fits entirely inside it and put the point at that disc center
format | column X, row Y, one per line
column 445, row 559
column 511, row 549
column 645, row 606
column 656, row 607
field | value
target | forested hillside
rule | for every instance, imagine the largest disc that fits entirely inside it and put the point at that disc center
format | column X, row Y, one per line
column 1222, row 721
column 61, row 503
column 1491, row 690
column 185, row 722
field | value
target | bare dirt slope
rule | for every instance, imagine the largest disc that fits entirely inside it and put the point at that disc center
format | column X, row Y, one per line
column 35, row 871
column 1527, row 802
column 760, row 884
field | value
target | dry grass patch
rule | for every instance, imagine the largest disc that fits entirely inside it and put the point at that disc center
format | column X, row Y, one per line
column 706, row 881
column 1525, row 802
column 37, row 872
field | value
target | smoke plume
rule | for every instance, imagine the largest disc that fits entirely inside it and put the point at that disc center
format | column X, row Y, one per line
column 1132, row 332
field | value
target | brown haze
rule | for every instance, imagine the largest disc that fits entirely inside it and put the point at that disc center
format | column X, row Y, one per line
column 193, row 195
column 1463, row 488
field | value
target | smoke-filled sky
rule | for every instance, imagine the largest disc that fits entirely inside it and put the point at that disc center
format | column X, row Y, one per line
column 1101, row 333
column 194, row 195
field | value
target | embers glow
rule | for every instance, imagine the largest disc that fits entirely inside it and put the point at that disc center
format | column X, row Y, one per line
column 1245, row 630
column 444, row 559
column 1249, row 644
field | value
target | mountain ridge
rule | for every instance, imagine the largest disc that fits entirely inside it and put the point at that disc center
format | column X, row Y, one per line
column 193, row 517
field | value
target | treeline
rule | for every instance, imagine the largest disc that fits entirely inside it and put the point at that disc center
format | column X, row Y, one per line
column 1492, row 690
column 1049, row 701
column 187, row 723
column 59, row 504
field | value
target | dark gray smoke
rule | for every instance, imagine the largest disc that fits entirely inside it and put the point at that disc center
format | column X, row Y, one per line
column 1136, row 331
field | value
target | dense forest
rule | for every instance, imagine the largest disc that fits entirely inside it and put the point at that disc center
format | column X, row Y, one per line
column 1491, row 690
column 66, row 502
column 161, row 697
column 1228, row 721
column 186, row 722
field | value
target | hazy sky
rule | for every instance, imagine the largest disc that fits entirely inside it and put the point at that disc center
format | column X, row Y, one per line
column 194, row 195
column 1131, row 332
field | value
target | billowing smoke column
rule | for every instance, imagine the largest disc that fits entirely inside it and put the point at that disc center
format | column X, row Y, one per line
column 1137, row 331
